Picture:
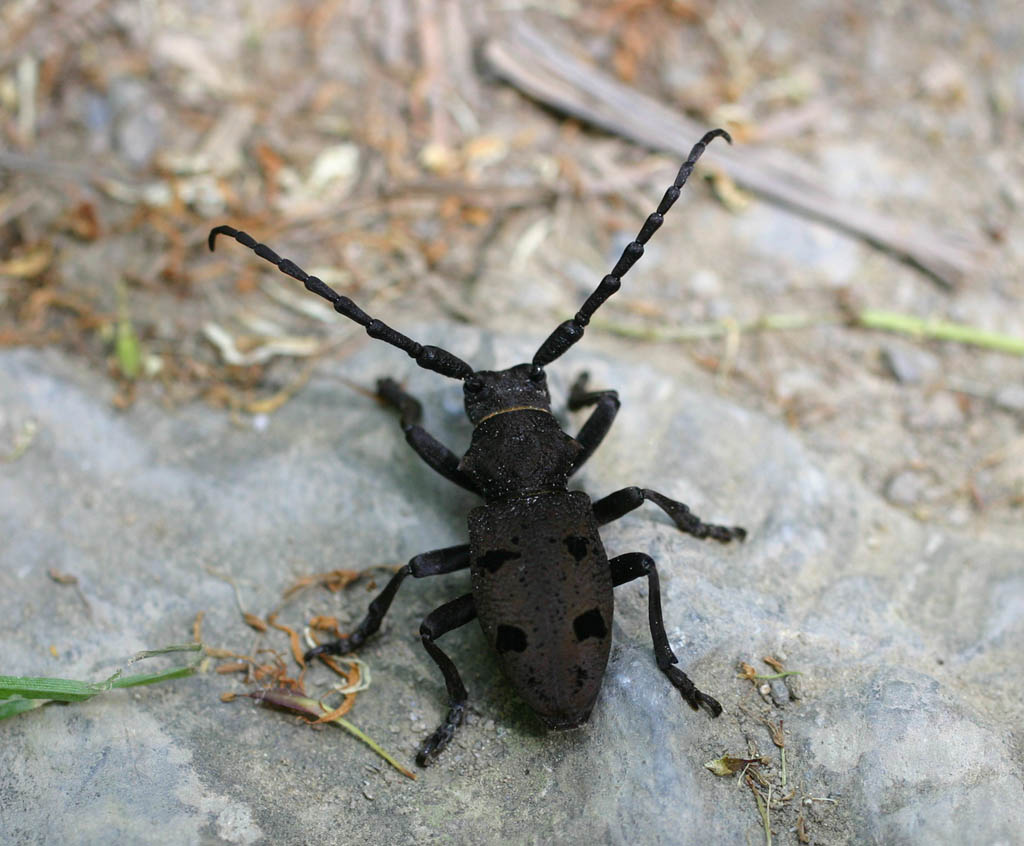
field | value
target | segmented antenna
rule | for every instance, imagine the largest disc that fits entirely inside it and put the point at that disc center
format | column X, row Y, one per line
column 431, row 358
column 569, row 332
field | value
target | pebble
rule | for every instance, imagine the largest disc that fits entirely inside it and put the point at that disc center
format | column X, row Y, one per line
column 941, row 411
column 907, row 487
column 1010, row 398
column 779, row 692
column 908, row 364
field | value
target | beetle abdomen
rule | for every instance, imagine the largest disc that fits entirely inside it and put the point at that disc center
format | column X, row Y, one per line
column 543, row 594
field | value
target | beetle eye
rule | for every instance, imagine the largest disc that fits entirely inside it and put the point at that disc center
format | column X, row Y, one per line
column 473, row 384
column 536, row 373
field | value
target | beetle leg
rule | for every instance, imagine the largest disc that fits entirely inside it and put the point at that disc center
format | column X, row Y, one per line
column 620, row 503
column 440, row 621
column 436, row 563
column 631, row 566
column 425, row 445
column 600, row 420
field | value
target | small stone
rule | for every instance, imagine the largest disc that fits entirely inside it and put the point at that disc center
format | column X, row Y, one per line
column 907, row 488
column 908, row 364
column 1010, row 398
column 793, row 686
column 705, row 283
column 941, row 411
column 779, row 692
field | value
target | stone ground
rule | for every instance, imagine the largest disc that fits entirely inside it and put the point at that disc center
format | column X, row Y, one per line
column 881, row 477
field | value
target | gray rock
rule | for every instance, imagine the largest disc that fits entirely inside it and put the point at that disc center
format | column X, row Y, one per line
column 139, row 122
column 908, row 487
column 805, row 247
column 1011, row 398
column 779, row 692
column 907, row 729
column 940, row 411
column 910, row 364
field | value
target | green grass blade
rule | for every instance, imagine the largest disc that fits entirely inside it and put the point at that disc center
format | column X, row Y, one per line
column 34, row 691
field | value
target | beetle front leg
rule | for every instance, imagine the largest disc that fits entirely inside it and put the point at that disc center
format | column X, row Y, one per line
column 600, row 420
column 440, row 561
column 425, row 445
column 442, row 620
column 620, row 503
column 631, row 566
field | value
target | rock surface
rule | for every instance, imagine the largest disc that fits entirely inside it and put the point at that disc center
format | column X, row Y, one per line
column 906, row 636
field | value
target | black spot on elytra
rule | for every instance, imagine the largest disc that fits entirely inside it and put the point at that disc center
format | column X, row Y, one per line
column 577, row 546
column 589, row 624
column 492, row 561
column 510, row 639
column 581, row 676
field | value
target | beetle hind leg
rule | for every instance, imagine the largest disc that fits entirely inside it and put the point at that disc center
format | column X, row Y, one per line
column 440, row 621
column 631, row 566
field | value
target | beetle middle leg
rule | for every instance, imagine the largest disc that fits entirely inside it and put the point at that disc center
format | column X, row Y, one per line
column 631, row 566
column 436, row 563
column 620, row 503
column 600, row 419
column 440, row 621
column 425, row 445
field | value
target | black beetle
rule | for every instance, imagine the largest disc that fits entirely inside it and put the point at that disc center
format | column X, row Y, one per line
column 542, row 583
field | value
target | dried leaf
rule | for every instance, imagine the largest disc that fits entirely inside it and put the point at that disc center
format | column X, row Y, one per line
column 324, row 623
column 727, row 765
column 298, row 653
column 253, row 621
column 82, row 222
column 729, row 194
column 29, row 264
column 310, row 708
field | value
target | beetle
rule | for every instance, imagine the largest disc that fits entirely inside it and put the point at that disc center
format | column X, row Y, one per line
column 541, row 579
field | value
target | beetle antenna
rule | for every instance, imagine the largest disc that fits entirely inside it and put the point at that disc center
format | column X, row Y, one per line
column 569, row 332
column 431, row 358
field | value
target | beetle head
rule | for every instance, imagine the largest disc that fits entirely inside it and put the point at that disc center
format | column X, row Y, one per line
column 490, row 392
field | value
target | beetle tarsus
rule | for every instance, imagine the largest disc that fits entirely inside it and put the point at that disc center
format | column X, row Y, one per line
column 435, row 744
column 334, row 647
column 696, row 698
column 408, row 407
column 620, row 503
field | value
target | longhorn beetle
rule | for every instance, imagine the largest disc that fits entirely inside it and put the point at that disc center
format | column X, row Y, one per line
column 541, row 580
